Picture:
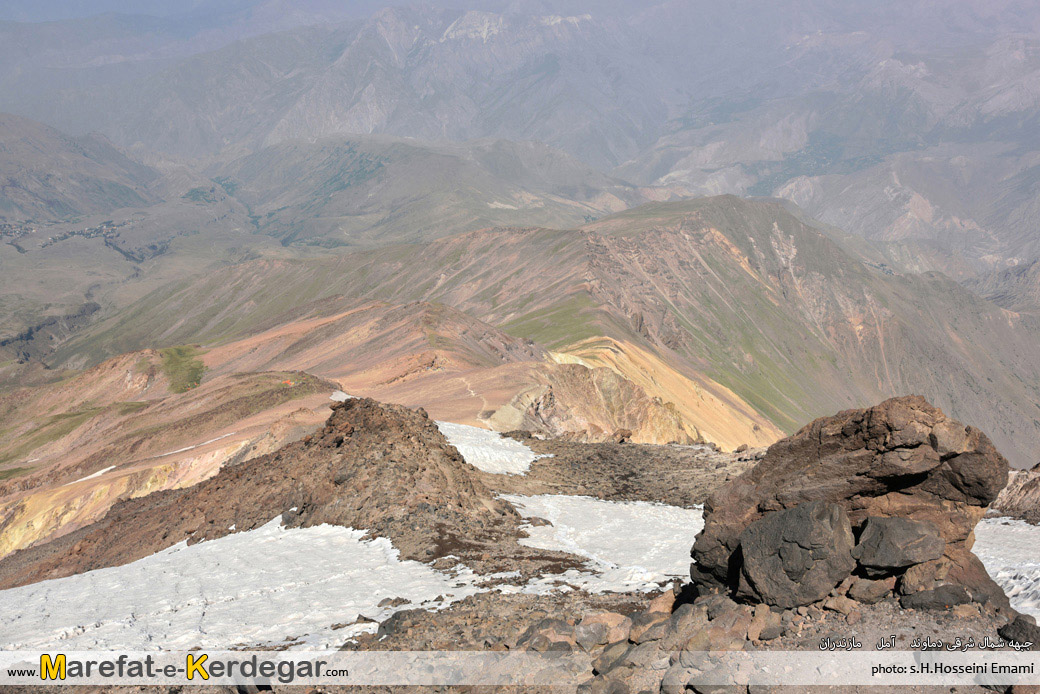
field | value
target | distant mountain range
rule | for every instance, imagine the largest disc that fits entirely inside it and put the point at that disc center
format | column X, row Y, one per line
column 338, row 191
column 81, row 224
column 923, row 137
column 47, row 176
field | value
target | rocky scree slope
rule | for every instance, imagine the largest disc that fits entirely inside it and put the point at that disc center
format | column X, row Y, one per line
column 383, row 468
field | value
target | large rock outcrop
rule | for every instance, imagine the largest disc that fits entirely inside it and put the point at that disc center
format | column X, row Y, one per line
column 381, row 467
column 912, row 482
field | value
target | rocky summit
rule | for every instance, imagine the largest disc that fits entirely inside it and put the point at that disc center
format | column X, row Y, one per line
column 381, row 467
column 886, row 498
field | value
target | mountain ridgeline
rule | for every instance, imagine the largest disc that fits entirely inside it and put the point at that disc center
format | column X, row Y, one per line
column 742, row 295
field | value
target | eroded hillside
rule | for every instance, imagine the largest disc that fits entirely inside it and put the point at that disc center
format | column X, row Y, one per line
column 776, row 319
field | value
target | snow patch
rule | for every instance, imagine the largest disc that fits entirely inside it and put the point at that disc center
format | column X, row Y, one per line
column 193, row 447
column 474, row 25
column 93, row 475
column 264, row 586
column 488, row 450
column 555, row 19
column 340, row 396
column 1008, row 550
column 631, row 545
column 275, row 585
column 293, row 587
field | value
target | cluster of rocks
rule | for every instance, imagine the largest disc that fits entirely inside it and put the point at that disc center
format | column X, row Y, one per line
column 676, row 475
column 865, row 507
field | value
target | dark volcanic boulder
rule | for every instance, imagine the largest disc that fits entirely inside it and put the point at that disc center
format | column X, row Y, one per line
column 890, row 544
column 795, row 557
column 900, row 459
column 941, row 598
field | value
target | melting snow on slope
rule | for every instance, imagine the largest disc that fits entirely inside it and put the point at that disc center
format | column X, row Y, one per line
column 1009, row 551
column 271, row 584
column 253, row 587
column 266, row 585
column 92, row 476
column 633, row 545
column 488, row 450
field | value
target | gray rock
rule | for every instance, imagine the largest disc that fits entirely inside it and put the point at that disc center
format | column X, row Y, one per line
column 765, row 625
column 607, row 686
column 610, row 656
column 640, row 656
column 941, row 598
column 888, row 545
column 774, row 629
column 797, row 556
column 717, row 605
column 588, row 636
column 648, row 626
column 717, row 688
column 869, row 592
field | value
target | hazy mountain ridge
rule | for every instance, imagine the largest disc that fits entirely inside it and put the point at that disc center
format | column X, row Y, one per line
column 1015, row 288
column 49, row 176
column 739, row 292
column 88, row 228
column 833, row 102
column 377, row 189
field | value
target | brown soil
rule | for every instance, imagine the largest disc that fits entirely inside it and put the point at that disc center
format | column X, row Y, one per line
column 676, row 475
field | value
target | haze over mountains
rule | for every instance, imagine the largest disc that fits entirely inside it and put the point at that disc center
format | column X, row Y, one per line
column 493, row 210
column 924, row 138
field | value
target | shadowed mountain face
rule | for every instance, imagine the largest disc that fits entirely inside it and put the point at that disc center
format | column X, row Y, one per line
column 739, row 294
column 1016, row 288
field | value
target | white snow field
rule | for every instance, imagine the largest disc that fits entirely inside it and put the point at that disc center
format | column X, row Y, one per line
column 257, row 587
column 1010, row 551
column 294, row 586
column 633, row 545
column 273, row 584
column 488, row 450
